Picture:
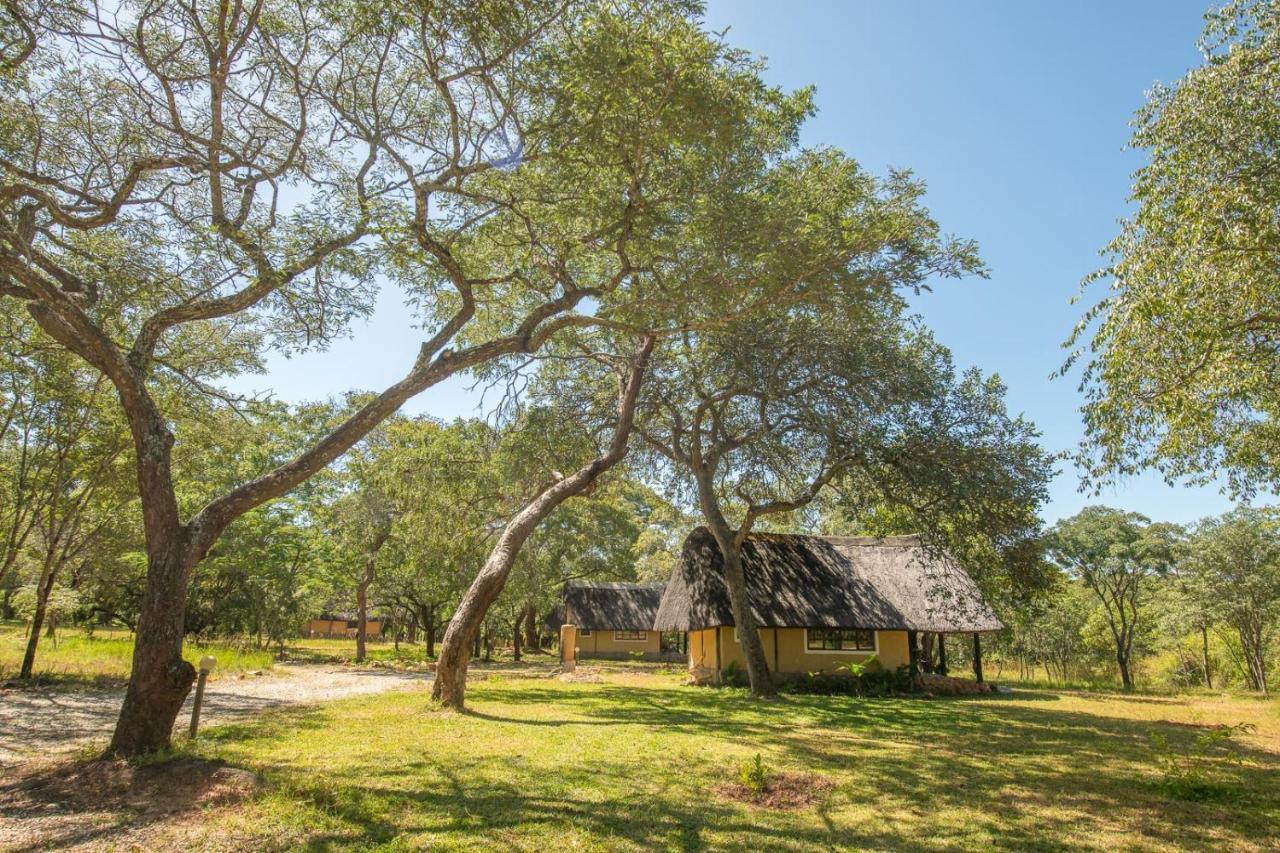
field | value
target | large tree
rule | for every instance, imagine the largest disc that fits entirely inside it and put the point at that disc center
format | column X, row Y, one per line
column 1117, row 555
column 758, row 421
column 183, row 187
column 1235, row 567
column 1181, row 352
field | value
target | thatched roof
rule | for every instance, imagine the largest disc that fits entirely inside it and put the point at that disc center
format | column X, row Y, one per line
column 793, row 581
column 598, row 606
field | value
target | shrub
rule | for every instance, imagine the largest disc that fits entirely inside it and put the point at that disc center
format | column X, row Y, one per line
column 868, row 678
column 754, row 774
column 1187, row 772
column 734, row 675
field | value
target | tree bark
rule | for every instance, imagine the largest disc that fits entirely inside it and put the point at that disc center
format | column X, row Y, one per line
column 1204, row 656
column 977, row 657
column 761, row 681
column 1122, row 660
column 43, row 589
column 449, row 687
column 735, row 580
column 531, row 636
column 515, row 637
column 430, row 628
column 160, row 678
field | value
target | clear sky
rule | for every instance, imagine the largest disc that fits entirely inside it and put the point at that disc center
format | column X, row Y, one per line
column 1016, row 116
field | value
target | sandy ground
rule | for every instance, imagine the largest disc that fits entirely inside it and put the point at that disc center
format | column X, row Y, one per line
column 45, row 721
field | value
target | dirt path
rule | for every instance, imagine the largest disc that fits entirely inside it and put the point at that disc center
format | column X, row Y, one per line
column 41, row 721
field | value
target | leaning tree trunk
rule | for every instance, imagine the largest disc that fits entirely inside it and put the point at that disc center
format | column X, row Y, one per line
column 43, row 590
column 735, row 582
column 450, row 684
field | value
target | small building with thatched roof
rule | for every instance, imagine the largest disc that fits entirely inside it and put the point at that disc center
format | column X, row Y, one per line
column 822, row 601
column 614, row 620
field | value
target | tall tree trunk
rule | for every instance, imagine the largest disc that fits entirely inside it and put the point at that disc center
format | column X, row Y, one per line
column 735, row 580
column 362, row 607
column 1122, row 659
column 160, row 678
column 762, row 685
column 430, row 628
column 450, row 684
column 362, row 590
column 1204, row 656
column 515, row 637
column 531, row 636
column 43, row 589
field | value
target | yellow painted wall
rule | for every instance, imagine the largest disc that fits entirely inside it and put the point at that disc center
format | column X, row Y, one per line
column 338, row 628
column 603, row 642
column 791, row 654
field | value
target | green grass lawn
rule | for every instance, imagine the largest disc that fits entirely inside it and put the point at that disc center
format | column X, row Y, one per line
column 108, row 654
column 634, row 763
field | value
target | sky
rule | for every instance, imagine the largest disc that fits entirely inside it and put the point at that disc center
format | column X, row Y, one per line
column 1015, row 115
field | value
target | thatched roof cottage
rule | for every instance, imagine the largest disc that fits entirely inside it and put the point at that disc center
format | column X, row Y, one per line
column 614, row 620
column 821, row 601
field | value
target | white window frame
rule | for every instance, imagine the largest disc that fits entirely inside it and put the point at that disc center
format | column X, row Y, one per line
column 643, row 638
column 875, row 641
column 584, row 632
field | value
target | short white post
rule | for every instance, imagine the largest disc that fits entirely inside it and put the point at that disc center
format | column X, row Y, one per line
column 207, row 663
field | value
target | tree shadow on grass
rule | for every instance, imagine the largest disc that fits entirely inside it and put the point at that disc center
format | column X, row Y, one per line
column 933, row 773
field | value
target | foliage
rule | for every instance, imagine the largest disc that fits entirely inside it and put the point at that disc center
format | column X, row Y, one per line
column 868, row 678
column 754, row 774
column 1234, row 567
column 1181, row 354
column 1116, row 555
column 1188, row 773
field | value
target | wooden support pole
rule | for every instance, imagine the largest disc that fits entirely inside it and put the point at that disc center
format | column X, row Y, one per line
column 977, row 656
column 942, row 654
column 717, row 630
column 913, row 655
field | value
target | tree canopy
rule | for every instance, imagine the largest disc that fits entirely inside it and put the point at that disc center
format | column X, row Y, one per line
column 1181, row 350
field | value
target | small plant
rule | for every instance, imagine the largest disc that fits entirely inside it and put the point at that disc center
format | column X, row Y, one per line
column 754, row 774
column 733, row 676
column 1187, row 772
column 858, row 669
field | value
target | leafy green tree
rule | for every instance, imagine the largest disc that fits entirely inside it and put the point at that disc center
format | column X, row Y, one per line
column 1235, row 561
column 250, row 171
column 1181, row 355
column 766, row 416
column 1117, row 555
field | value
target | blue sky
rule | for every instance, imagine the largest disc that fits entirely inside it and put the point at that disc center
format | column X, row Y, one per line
column 1015, row 115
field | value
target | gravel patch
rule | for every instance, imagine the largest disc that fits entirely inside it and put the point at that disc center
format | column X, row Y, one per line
column 49, row 720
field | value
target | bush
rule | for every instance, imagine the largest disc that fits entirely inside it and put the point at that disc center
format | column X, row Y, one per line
column 1188, row 773
column 754, row 774
column 868, row 678
column 734, row 675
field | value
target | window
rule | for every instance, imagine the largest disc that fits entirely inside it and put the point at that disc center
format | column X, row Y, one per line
column 631, row 636
column 584, row 632
column 839, row 640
